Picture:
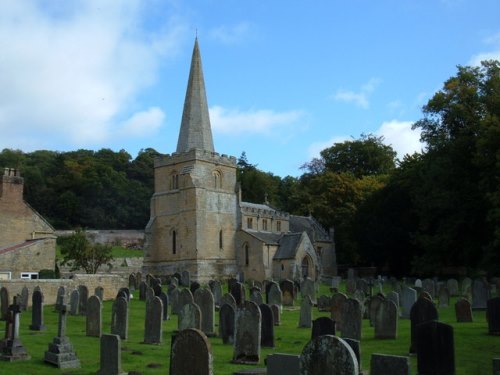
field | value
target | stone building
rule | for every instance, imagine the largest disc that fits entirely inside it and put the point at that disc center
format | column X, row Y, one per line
column 199, row 223
column 27, row 240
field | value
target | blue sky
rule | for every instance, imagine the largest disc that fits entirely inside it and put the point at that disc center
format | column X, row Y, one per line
column 284, row 79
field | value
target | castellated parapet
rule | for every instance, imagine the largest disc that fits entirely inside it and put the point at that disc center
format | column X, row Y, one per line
column 195, row 154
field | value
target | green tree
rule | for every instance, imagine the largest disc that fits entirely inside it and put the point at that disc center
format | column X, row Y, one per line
column 79, row 253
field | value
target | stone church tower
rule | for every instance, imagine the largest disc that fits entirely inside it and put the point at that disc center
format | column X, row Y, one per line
column 194, row 209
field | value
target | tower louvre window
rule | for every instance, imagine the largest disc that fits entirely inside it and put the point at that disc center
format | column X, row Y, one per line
column 174, row 242
column 247, row 259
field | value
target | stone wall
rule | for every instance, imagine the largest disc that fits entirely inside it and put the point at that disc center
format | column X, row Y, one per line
column 125, row 238
column 32, row 257
column 110, row 283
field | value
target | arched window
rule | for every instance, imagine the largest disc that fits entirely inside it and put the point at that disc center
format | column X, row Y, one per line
column 305, row 267
column 217, row 176
column 220, row 240
column 174, row 242
column 247, row 258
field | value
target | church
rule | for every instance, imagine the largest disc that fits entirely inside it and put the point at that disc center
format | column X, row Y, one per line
column 199, row 223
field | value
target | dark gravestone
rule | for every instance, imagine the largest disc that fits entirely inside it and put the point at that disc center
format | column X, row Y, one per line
column 230, row 283
column 247, row 334
column 274, row 296
column 463, row 311
column 205, row 300
column 185, row 296
column 256, row 296
column 191, row 354
column 324, row 303
column 373, row 306
column 452, row 285
column 99, row 292
column 307, row 288
column 157, row 290
column 185, row 278
column 305, row 318
column 23, row 302
column 119, row 318
column 94, row 317
column 11, row 346
column 226, row 323
column 4, row 303
column 123, row 292
column 37, row 323
column 178, row 277
column 61, row 295
column 328, row 354
column 322, row 326
column 355, row 345
column 493, row 316
column 61, row 353
column 444, row 297
column 142, row 291
column 83, row 293
column 238, row 292
column 337, row 308
column 153, row 322
column 110, row 355
column 132, row 282
column 288, row 291
column 74, row 302
column 276, row 314
column 480, row 294
column 283, row 364
column 216, row 289
column 267, row 326
column 352, row 319
column 408, row 298
column 164, row 299
column 429, row 286
column 189, row 317
column 194, row 287
column 386, row 321
column 385, row 364
column 228, row 299
column 173, row 297
column 422, row 311
column 150, row 293
column 435, row 348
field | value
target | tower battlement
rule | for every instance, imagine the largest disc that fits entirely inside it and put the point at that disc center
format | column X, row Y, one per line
column 195, row 154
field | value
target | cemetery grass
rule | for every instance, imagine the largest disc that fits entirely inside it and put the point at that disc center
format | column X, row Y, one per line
column 474, row 348
column 116, row 252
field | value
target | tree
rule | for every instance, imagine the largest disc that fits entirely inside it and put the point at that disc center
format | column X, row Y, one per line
column 79, row 253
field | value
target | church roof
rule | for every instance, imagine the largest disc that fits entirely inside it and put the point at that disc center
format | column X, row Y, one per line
column 288, row 245
column 195, row 129
column 307, row 224
column 269, row 238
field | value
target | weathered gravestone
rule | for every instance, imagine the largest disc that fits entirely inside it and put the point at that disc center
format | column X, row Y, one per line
column 153, row 322
column 373, row 305
column 99, row 292
column 422, row 311
column 37, row 323
column 350, row 286
column 452, row 285
column 157, row 290
column 444, row 297
column 238, row 292
column 195, row 285
column 132, row 282
column 463, row 311
column 61, row 295
column 408, row 298
column 23, row 301
column 355, row 345
column 123, row 292
column 466, row 285
column 143, row 286
column 305, row 318
column 337, row 308
column 328, row 354
column 429, row 286
column 288, row 291
column 191, row 354
column 276, row 314
column 83, row 293
column 493, row 316
column 480, row 294
column 150, row 294
column 94, row 317
column 189, row 317
column 185, row 278
column 74, row 302
column 435, row 348
column 164, row 299
column 110, row 355
column 267, row 326
column 394, row 297
column 256, row 297
column 4, row 303
column 60, row 352
column 247, row 334
column 307, row 288
column 119, row 318
column 385, row 364
column 352, row 319
column 12, row 348
column 216, row 289
column 173, row 297
column 205, row 300
column 228, row 299
column 274, row 296
column 281, row 364
column 324, row 303
column 185, row 296
column 226, row 323
column 386, row 321
column 322, row 326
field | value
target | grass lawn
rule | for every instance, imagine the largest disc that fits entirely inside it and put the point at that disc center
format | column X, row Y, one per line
column 474, row 349
column 117, row 251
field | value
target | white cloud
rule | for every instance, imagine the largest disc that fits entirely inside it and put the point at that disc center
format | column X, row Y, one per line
column 71, row 75
column 230, row 34
column 143, row 123
column 263, row 121
column 360, row 98
column 315, row 148
column 493, row 54
column 401, row 137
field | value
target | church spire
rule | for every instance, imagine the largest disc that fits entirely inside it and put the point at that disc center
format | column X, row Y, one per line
column 195, row 127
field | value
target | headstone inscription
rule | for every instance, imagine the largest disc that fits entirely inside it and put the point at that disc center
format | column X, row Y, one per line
column 191, row 353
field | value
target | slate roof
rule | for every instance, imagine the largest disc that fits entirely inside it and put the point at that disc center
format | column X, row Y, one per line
column 20, row 245
column 288, row 245
column 307, row 224
column 268, row 238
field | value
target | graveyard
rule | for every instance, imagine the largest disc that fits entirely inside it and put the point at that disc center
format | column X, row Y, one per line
column 146, row 346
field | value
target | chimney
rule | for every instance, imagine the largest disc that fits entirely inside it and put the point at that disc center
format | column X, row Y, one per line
column 12, row 185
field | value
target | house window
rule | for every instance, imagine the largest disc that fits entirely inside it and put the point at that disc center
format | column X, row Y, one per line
column 247, row 260
column 220, row 240
column 278, row 226
column 174, row 242
column 249, row 223
column 264, row 224
column 29, row 275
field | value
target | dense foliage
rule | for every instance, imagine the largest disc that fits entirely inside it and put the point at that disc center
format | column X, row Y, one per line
column 429, row 212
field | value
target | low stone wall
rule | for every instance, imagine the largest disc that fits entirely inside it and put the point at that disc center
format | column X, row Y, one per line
column 125, row 238
column 110, row 283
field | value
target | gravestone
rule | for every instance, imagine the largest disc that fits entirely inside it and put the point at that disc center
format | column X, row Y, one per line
column 435, row 348
column 352, row 319
column 37, row 323
column 394, row 297
column 4, row 303
column 230, row 282
column 228, row 299
column 178, row 277
column 191, row 354
column 322, row 326
column 305, row 318
column 157, row 290
column 355, row 345
column 99, row 292
column 386, row 321
column 480, row 294
column 23, row 301
column 238, row 292
column 418, row 283
column 288, row 291
column 374, row 305
column 463, row 311
column 142, row 290
column 452, row 285
column 189, row 317
column 216, row 289
column 283, row 364
column 119, row 318
column 110, row 355
column 421, row 312
column 138, row 278
column 328, row 354
column 123, row 292
column 164, row 299
column 408, row 298
column 307, row 288
column 324, row 303
column 337, row 308
column 267, row 326
column 61, row 295
column 226, row 323
column 83, row 293
column 60, row 352
column 185, row 278
column 363, row 286
column 195, row 285
column 276, row 314
column 150, row 294
column 493, row 316
column 173, row 297
column 466, row 285
column 153, row 322
column 444, row 297
column 132, row 282
column 350, row 286
column 94, row 317
column 12, row 348
column 74, row 302
column 205, row 300
column 246, row 347
column 429, row 286
column 185, row 296
column 385, row 364
column 274, row 296
column 256, row 297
